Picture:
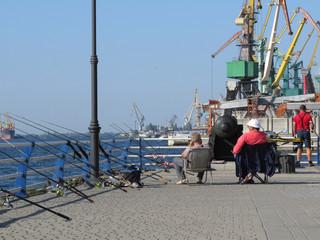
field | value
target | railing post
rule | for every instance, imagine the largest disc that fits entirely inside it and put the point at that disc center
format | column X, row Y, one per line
column 107, row 165
column 124, row 153
column 140, row 153
column 21, row 182
column 60, row 162
column 318, row 150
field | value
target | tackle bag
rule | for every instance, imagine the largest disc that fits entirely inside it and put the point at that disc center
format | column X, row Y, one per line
column 133, row 177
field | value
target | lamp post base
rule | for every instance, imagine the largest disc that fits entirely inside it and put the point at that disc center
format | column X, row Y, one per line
column 92, row 182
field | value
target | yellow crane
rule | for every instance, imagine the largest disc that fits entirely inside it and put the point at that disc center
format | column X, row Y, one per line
column 303, row 47
column 266, row 21
column 286, row 59
column 9, row 124
column 314, row 53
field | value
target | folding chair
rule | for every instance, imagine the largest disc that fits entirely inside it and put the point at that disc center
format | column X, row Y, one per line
column 199, row 161
column 254, row 159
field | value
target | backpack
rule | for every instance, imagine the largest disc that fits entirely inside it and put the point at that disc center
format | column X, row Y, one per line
column 133, row 177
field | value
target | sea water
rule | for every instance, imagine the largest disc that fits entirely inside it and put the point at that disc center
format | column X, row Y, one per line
column 148, row 148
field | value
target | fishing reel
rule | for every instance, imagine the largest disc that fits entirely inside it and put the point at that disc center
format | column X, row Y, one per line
column 101, row 184
column 59, row 190
column 5, row 202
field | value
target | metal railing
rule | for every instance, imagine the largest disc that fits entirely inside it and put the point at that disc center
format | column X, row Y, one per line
column 118, row 155
column 63, row 163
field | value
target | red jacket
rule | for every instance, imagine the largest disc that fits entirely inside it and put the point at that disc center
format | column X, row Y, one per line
column 251, row 138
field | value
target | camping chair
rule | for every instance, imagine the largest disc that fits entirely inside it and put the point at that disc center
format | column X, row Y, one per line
column 199, row 161
column 254, row 159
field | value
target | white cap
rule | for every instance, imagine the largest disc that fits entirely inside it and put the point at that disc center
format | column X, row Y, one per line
column 254, row 123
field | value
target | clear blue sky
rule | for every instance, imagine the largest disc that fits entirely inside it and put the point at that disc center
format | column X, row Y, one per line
column 154, row 53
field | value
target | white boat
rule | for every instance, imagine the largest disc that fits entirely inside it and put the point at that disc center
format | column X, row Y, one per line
column 178, row 139
column 183, row 137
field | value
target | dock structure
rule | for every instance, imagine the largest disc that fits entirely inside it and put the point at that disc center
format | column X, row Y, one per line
column 286, row 208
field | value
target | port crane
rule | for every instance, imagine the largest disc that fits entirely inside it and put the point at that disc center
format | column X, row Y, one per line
column 306, row 16
column 272, row 40
column 195, row 105
column 306, row 73
column 172, row 122
column 139, row 116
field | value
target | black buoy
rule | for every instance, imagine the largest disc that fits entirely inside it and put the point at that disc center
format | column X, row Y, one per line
column 226, row 126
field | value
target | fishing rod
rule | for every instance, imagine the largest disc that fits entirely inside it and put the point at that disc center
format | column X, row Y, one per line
column 164, row 164
column 79, row 159
column 148, row 144
column 66, row 154
column 160, row 180
column 115, row 126
column 59, row 156
column 67, row 140
column 52, row 173
column 71, row 188
column 67, row 137
column 36, row 204
column 68, row 129
column 114, row 146
column 155, row 174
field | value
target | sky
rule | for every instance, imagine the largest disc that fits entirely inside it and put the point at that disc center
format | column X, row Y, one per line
column 154, row 53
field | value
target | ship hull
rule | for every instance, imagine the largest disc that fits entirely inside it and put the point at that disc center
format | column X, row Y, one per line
column 7, row 134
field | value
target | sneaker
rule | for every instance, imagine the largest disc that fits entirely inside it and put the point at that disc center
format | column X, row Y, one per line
column 311, row 164
column 134, row 184
column 183, row 181
column 198, row 180
column 298, row 164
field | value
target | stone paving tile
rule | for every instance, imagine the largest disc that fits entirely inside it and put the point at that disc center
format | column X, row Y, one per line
column 286, row 208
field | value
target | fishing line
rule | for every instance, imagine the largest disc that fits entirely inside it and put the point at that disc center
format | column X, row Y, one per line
column 106, row 154
column 59, row 156
column 57, row 148
column 133, row 153
column 60, row 179
column 160, row 154
column 165, row 164
column 71, row 188
column 36, row 204
column 147, row 150
column 68, row 141
column 64, row 136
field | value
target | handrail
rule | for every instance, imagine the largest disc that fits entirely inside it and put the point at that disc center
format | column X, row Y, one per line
column 121, row 156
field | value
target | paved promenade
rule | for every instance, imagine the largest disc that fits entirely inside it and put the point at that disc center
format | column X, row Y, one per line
column 286, row 208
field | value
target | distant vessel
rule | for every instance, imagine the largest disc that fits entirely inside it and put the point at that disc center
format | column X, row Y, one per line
column 6, row 131
column 176, row 138
column 149, row 134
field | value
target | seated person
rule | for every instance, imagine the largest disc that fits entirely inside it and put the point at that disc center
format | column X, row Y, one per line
column 253, row 137
column 196, row 142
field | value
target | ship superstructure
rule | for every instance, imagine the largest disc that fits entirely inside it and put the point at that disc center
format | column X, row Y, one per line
column 7, row 127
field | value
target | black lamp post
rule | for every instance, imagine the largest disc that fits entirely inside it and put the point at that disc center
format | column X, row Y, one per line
column 94, row 125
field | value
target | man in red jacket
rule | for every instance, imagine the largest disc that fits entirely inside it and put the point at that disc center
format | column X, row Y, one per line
column 302, row 123
column 254, row 136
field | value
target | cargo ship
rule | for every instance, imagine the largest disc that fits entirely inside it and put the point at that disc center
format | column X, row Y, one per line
column 6, row 130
